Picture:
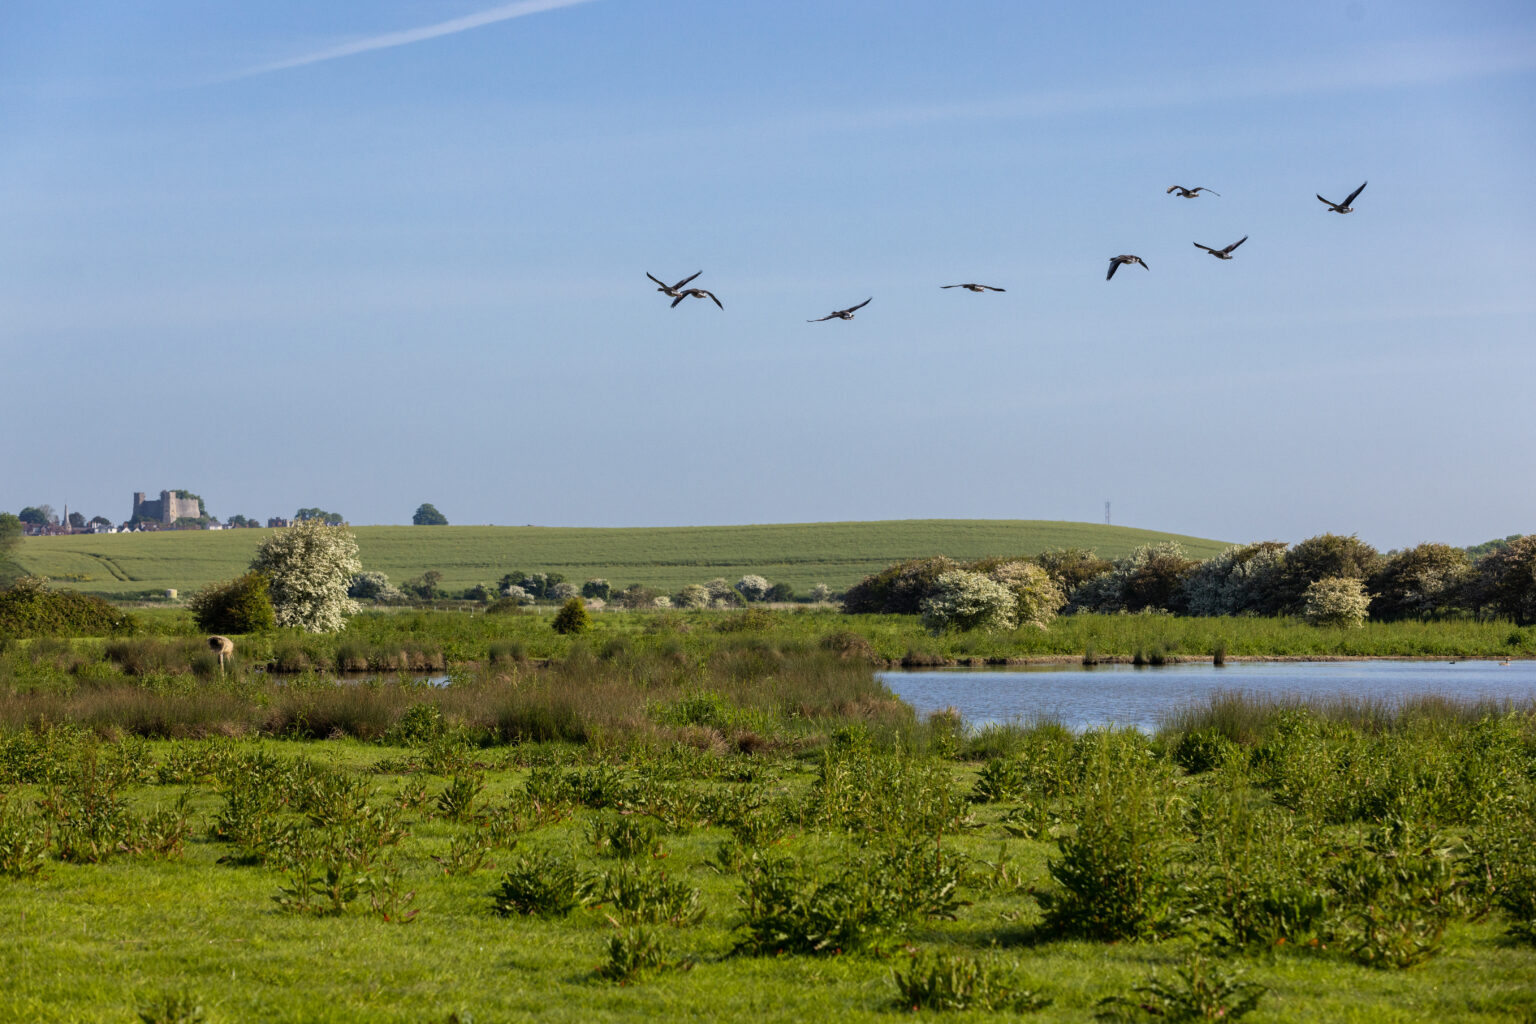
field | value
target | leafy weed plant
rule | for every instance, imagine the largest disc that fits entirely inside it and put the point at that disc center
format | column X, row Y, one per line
column 941, row 981
column 542, row 885
column 1199, row 989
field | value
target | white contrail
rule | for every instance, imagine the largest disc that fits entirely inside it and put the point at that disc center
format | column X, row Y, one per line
column 416, row 35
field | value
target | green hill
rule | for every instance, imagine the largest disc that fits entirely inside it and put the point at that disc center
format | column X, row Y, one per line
column 800, row 554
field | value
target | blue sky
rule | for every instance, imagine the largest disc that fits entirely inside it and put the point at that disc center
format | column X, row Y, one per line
column 364, row 256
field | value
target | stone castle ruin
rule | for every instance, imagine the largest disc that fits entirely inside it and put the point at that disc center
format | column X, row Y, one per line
column 167, row 509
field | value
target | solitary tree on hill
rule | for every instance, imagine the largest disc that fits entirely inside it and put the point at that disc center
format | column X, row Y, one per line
column 428, row 515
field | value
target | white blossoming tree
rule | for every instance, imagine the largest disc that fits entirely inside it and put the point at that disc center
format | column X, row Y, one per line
column 1337, row 601
column 309, row 567
column 693, row 595
column 1036, row 596
column 752, row 587
column 968, row 600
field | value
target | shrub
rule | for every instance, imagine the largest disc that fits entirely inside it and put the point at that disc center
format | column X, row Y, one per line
column 636, row 596
column 752, row 587
column 572, row 617
column 1420, row 582
column 898, row 590
column 1240, row 580
column 1116, row 876
column 504, row 606
column 516, row 594
column 239, row 605
column 424, row 586
column 29, row 608
column 1036, row 596
column 821, row 592
column 1149, row 578
column 1072, row 567
column 308, row 567
column 791, row 908
column 368, row 585
column 1337, row 601
column 691, row 596
column 1318, row 558
column 780, row 592
column 596, row 587
column 1506, row 580
column 562, row 592
column 721, row 593
column 966, row 601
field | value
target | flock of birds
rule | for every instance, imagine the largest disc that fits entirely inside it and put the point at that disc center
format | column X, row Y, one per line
column 1116, row 262
column 677, row 293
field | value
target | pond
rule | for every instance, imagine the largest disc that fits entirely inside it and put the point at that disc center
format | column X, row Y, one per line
column 1085, row 698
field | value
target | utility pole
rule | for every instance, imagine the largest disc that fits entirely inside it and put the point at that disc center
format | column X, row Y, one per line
column 1106, row 512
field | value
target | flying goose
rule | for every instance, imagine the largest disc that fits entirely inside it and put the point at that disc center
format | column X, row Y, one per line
column 1115, row 261
column 976, row 287
column 1345, row 206
column 842, row 314
column 1190, row 193
column 671, row 291
column 1222, row 254
column 696, row 293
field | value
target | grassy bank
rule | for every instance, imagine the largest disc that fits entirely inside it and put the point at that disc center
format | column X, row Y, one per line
column 667, row 558
column 410, row 641
column 1330, row 864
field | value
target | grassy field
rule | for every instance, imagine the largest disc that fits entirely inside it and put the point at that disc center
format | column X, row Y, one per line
column 1343, row 868
column 800, row 554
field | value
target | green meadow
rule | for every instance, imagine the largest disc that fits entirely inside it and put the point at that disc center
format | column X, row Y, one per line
column 667, row 558
column 761, row 837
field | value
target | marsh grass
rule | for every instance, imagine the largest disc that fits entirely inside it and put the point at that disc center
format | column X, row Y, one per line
column 740, row 699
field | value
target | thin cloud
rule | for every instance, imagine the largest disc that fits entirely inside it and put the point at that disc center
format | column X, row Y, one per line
column 1385, row 66
column 405, row 37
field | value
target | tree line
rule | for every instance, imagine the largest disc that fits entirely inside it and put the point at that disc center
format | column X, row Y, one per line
column 1322, row 578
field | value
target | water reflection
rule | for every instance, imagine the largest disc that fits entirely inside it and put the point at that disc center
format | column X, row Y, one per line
column 1084, row 698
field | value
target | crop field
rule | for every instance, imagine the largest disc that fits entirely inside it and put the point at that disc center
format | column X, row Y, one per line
column 667, row 558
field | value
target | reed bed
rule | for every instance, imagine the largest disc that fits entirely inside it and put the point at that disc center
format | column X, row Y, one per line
column 745, row 695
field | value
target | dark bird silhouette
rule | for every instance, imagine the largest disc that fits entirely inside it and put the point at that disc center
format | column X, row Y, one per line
column 1190, row 193
column 671, row 290
column 1222, row 254
column 696, row 293
column 976, row 287
column 842, row 314
column 1345, row 206
column 1115, row 261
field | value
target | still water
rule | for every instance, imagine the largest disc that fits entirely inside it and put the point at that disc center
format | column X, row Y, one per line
column 1085, row 698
